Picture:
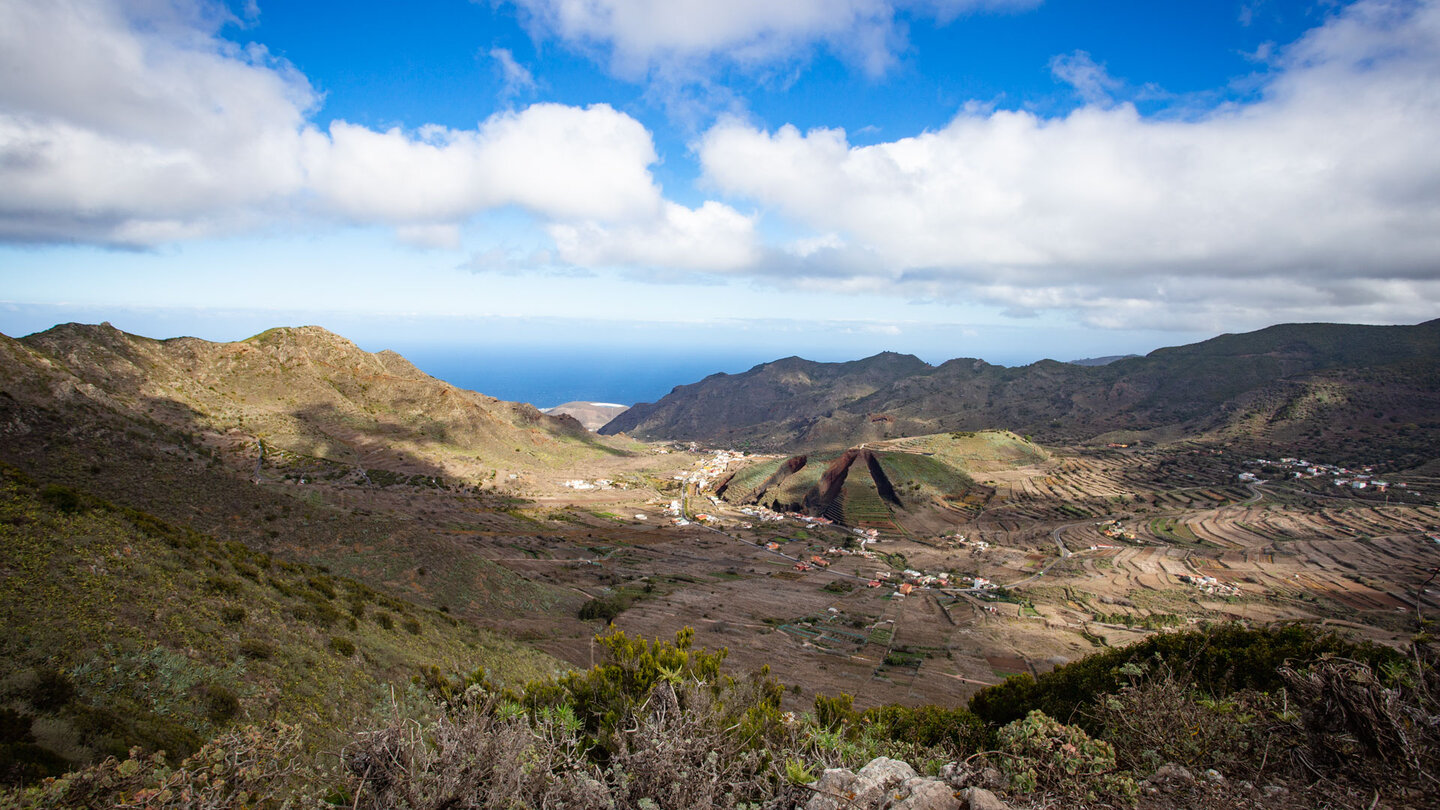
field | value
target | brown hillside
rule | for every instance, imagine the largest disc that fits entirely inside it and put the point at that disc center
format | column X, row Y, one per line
column 303, row 390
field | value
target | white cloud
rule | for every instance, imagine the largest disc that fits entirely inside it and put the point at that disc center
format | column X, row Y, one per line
column 562, row 162
column 712, row 238
column 518, row 78
column 1332, row 176
column 429, row 236
column 639, row 36
column 1088, row 78
column 106, row 133
column 137, row 124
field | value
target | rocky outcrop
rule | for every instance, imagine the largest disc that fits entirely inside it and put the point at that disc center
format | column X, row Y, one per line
column 889, row 784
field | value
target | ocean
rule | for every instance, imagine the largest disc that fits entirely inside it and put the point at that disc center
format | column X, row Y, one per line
column 550, row 377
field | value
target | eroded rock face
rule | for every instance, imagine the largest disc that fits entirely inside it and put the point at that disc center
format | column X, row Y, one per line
column 885, row 784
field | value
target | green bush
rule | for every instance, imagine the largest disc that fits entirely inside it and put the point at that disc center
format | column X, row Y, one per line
column 605, row 608
column 62, row 499
column 1045, row 754
column 608, row 693
column 51, row 690
column 256, row 650
column 220, row 704
column 1219, row 660
column 342, row 645
column 232, row 615
column 957, row 730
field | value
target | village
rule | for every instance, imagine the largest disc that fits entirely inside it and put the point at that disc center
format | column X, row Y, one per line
column 1300, row 469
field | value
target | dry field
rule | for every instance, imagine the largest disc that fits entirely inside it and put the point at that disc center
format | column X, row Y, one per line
column 1276, row 554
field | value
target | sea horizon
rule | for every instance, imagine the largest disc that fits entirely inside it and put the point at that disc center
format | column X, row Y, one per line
column 549, row 377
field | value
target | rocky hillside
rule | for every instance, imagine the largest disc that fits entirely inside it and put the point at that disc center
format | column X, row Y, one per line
column 298, row 444
column 1340, row 387
column 302, row 390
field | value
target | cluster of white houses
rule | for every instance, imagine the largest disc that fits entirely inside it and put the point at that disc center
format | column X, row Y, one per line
column 1300, row 468
column 708, row 470
column 1210, row 585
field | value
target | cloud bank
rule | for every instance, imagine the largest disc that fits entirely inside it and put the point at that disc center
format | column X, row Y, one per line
column 129, row 125
column 642, row 37
column 1323, row 195
column 137, row 124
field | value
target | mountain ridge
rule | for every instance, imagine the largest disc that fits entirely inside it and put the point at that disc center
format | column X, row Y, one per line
column 304, row 389
column 1221, row 383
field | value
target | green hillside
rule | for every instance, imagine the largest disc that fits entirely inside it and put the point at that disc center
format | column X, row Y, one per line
column 124, row 630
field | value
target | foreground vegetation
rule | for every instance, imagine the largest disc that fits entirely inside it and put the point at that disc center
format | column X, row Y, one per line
column 661, row 724
column 123, row 631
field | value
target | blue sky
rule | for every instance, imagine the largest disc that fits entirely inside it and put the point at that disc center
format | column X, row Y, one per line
column 1007, row 179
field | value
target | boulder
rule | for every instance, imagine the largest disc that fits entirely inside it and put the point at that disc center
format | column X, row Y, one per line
column 926, row 794
column 833, row 790
column 977, row 798
column 886, row 772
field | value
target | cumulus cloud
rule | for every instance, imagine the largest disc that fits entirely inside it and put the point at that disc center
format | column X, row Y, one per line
column 137, row 124
column 559, row 161
column 713, row 238
column 641, row 36
column 108, row 134
column 1331, row 176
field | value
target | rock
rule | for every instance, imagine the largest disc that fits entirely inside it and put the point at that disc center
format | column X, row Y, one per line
column 833, row 790
column 994, row 779
column 1170, row 776
column 886, row 772
column 977, row 798
column 957, row 774
column 1214, row 776
column 1275, row 790
column 926, row 794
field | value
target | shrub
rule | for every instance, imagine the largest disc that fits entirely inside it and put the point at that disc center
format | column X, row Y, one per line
column 606, row 694
column 605, row 608
column 61, row 498
column 1157, row 719
column 1219, row 660
column 322, row 586
column 411, row 626
column 1044, row 754
column 252, row 767
column 220, row 704
column 384, row 620
column 232, row 615
column 51, row 690
column 255, row 649
column 342, row 645
column 1379, row 726
column 956, row 731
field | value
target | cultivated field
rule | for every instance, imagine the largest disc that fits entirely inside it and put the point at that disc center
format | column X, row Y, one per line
column 1092, row 547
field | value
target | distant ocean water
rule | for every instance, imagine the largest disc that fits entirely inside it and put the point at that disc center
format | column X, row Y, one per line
column 546, row 379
